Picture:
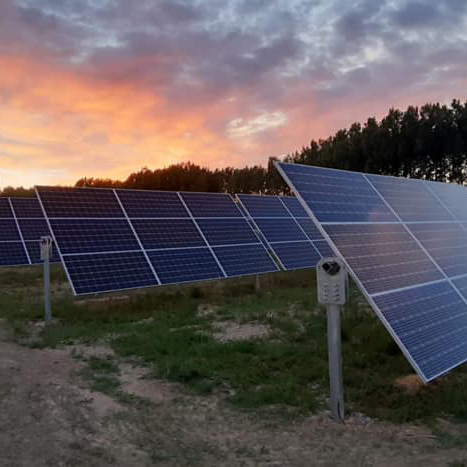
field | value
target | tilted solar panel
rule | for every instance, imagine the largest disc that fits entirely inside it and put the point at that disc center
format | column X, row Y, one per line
column 286, row 227
column 22, row 224
column 121, row 239
column 405, row 244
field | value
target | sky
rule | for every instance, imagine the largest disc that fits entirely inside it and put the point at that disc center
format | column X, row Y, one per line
column 105, row 87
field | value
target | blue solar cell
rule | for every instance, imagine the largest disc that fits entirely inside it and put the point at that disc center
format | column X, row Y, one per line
column 211, row 205
column 383, row 256
column 167, row 233
column 280, row 230
column 27, row 208
column 244, row 260
column 34, row 251
column 5, row 209
column 461, row 285
column 446, row 243
column 93, row 235
column 12, row 254
column 185, row 265
column 296, row 255
column 139, row 203
column 263, row 206
column 410, row 199
column 453, row 196
column 97, row 273
column 431, row 323
column 79, row 202
column 310, row 229
column 227, row 231
column 294, row 206
column 33, row 229
column 8, row 231
column 324, row 249
column 338, row 196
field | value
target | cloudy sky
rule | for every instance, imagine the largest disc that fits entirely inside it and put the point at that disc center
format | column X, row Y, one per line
column 104, row 87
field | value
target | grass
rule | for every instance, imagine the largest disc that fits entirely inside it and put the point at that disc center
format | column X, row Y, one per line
column 288, row 369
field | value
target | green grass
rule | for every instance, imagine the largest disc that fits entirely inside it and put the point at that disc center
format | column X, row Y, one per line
column 288, row 369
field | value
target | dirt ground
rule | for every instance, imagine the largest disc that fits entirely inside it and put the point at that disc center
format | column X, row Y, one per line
column 50, row 417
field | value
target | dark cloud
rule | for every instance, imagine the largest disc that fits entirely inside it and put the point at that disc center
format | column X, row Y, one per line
column 199, row 51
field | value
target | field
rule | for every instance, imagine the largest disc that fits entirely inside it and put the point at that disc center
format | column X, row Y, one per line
column 214, row 374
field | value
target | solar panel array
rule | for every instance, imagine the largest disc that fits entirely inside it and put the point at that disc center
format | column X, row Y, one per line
column 405, row 243
column 22, row 224
column 287, row 230
column 120, row 239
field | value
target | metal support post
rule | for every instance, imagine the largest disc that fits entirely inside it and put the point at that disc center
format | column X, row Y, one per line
column 335, row 362
column 46, row 253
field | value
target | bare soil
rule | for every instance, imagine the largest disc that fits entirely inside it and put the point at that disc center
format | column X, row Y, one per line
column 49, row 416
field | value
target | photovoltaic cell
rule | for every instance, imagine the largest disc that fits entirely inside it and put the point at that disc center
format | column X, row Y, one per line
column 33, row 228
column 227, row 231
column 294, row 206
column 151, row 204
column 410, row 199
column 167, row 233
column 296, row 255
column 453, row 196
column 5, row 209
column 243, row 260
column 405, row 244
column 9, row 231
column 27, row 208
column 280, row 230
column 80, row 202
column 188, row 265
column 93, row 235
column 285, row 233
column 210, row 205
column 97, row 273
column 12, row 254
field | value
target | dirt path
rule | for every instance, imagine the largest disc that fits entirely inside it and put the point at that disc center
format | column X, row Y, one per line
column 49, row 417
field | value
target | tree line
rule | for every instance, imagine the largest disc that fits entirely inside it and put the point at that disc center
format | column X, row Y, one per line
column 429, row 142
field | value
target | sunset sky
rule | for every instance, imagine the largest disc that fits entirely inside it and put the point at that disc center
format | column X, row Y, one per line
column 105, row 87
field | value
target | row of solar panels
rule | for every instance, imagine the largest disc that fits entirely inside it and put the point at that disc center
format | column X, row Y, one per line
column 183, row 237
column 405, row 243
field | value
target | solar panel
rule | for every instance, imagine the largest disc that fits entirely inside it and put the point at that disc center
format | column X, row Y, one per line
column 287, row 229
column 22, row 224
column 121, row 239
column 405, row 245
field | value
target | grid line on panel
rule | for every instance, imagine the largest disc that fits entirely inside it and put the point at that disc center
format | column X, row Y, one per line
column 137, row 237
column 295, row 253
column 201, row 233
column 419, row 244
column 430, row 188
column 19, row 231
column 297, row 222
column 234, row 233
column 268, row 243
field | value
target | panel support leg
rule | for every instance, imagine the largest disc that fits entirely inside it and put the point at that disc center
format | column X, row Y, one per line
column 46, row 253
column 335, row 363
column 48, row 309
